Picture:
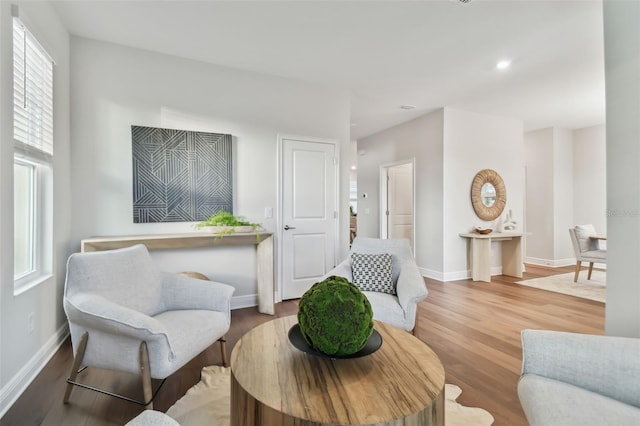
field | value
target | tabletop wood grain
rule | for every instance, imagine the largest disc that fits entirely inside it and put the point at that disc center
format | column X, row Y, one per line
column 274, row 383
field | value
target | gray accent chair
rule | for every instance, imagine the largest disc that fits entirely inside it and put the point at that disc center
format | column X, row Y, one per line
column 126, row 315
column 586, row 249
column 571, row 379
column 400, row 310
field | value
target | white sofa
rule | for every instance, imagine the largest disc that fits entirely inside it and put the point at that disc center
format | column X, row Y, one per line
column 571, row 379
column 398, row 310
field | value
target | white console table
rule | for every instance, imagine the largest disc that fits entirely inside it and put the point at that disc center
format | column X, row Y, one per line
column 512, row 256
column 262, row 241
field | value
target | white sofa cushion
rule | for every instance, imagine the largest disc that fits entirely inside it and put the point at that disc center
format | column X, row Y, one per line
column 595, row 256
column 549, row 402
column 387, row 309
column 126, row 276
column 582, row 235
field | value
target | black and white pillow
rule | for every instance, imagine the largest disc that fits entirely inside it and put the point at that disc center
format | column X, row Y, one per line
column 372, row 272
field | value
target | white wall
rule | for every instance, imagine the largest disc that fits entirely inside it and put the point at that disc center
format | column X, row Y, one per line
column 538, row 156
column 419, row 139
column 566, row 185
column 562, row 195
column 473, row 142
column 23, row 354
column 115, row 87
column 449, row 146
column 590, row 177
column 622, row 83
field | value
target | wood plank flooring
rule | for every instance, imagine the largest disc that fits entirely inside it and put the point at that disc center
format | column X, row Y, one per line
column 474, row 328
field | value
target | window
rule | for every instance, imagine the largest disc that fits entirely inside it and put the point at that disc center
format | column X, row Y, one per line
column 32, row 94
column 23, row 209
column 33, row 159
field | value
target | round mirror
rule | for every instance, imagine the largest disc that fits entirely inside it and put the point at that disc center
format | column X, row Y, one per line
column 488, row 194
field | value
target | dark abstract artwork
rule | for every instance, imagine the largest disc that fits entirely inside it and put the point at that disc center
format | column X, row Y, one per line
column 179, row 175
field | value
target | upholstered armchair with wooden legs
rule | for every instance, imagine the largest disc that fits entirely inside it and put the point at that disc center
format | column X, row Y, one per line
column 126, row 315
column 587, row 248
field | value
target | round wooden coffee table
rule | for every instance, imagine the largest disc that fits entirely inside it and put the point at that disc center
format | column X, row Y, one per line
column 273, row 383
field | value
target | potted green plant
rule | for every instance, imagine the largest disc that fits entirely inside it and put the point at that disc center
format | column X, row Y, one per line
column 225, row 223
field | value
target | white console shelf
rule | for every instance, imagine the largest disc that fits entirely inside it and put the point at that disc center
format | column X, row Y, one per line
column 512, row 255
column 262, row 241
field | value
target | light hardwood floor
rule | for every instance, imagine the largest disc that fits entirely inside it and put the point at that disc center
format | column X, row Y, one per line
column 474, row 327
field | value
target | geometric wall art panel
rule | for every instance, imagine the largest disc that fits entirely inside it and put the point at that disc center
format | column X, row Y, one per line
column 180, row 175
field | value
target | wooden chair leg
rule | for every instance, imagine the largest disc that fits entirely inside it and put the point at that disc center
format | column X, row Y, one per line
column 223, row 351
column 590, row 270
column 77, row 361
column 575, row 278
column 145, row 372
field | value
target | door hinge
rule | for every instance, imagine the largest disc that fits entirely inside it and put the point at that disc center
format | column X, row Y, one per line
column 387, row 213
column 335, row 215
column 335, row 161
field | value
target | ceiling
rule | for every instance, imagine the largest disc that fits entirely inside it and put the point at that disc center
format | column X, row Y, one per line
column 385, row 53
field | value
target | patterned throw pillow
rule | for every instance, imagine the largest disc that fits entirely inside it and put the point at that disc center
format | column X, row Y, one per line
column 372, row 272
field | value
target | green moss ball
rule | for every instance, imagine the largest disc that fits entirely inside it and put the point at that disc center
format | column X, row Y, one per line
column 335, row 317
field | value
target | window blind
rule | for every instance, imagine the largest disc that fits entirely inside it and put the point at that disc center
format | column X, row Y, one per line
column 32, row 96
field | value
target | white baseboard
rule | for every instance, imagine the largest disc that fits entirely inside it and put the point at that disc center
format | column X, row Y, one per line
column 23, row 378
column 455, row 275
column 430, row 273
column 247, row 301
column 550, row 262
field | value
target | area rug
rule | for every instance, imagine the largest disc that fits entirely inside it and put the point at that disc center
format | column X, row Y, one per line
column 207, row 403
column 593, row 289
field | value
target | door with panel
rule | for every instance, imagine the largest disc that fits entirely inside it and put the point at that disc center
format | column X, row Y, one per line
column 400, row 202
column 309, row 217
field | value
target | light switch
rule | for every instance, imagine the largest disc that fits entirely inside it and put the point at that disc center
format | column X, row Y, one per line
column 268, row 212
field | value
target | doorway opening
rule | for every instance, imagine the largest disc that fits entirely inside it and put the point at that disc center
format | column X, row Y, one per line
column 397, row 194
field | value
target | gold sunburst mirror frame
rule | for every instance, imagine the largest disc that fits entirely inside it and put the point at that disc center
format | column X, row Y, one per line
column 488, row 194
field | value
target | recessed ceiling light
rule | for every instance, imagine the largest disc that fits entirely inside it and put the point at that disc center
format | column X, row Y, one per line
column 503, row 65
column 353, row 167
column 407, row 106
column 354, row 124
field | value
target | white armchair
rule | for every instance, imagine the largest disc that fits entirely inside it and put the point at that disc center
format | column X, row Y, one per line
column 126, row 315
column 398, row 310
column 579, row 379
column 586, row 248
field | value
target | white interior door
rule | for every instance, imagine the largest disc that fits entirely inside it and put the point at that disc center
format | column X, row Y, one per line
column 400, row 202
column 308, row 214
